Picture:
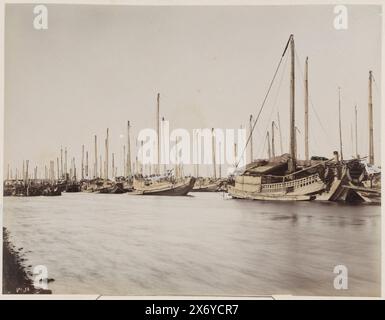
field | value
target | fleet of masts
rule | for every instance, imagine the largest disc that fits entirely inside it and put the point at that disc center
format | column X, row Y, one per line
column 106, row 167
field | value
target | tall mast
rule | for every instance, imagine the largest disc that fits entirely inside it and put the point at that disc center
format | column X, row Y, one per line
column 26, row 170
column 74, row 170
column 268, row 145
column 292, row 161
column 220, row 160
column 57, row 168
column 51, row 174
column 339, row 121
column 142, row 158
column 8, row 172
column 280, row 134
column 235, row 155
column 356, row 130
column 198, row 154
column 158, row 134
column 106, row 168
column 65, row 162
column 296, row 145
column 213, row 152
column 113, row 165
column 272, row 139
column 82, row 175
column 96, row 158
column 307, row 109
column 124, row 162
column 370, row 107
column 251, row 137
column 61, row 161
column 128, row 162
column 164, row 144
column 71, row 169
column 101, row 167
column 87, row 164
column 351, row 138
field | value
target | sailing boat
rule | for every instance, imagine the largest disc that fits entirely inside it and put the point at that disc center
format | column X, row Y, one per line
column 356, row 180
column 209, row 184
column 168, row 184
column 281, row 178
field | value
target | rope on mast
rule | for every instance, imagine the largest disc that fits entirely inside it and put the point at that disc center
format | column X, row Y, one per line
column 264, row 101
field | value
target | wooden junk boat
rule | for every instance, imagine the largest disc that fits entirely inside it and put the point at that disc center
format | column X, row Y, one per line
column 352, row 180
column 207, row 185
column 113, row 188
column 269, row 180
column 286, row 178
column 163, row 186
column 279, row 178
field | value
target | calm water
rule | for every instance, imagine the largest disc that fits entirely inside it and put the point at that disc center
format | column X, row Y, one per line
column 202, row 244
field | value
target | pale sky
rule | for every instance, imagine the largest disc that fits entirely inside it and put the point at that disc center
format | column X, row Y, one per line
column 99, row 66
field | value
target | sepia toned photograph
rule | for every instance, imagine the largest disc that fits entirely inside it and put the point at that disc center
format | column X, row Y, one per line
column 200, row 151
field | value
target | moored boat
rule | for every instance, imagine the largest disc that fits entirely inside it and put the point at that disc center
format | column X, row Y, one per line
column 267, row 180
column 164, row 187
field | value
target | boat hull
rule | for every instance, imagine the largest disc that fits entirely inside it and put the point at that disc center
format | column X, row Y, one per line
column 178, row 189
column 208, row 188
column 239, row 194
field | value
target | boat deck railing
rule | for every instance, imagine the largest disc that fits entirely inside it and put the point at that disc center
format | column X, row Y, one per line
column 294, row 184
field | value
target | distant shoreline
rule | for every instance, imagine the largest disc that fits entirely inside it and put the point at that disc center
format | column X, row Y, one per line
column 16, row 279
